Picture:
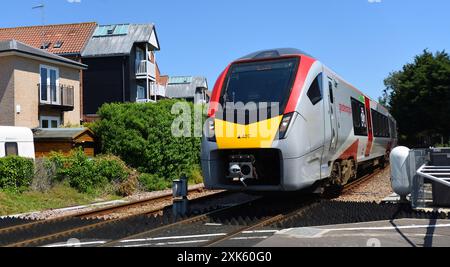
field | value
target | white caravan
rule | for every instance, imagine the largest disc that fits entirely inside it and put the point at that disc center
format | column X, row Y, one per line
column 16, row 141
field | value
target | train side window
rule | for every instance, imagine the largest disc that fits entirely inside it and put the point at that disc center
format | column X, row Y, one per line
column 11, row 149
column 380, row 124
column 315, row 91
column 359, row 118
column 330, row 87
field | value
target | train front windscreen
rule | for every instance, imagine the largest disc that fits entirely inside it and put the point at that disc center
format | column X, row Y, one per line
column 260, row 82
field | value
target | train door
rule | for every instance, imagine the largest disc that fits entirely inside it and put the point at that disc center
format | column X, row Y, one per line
column 331, row 86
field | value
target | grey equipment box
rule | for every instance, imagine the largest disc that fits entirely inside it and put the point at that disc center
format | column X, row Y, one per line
column 441, row 193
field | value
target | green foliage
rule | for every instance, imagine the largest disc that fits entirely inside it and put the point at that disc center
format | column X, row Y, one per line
column 111, row 168
column 195, row 175
column 58, row 196
column 85, row 174
column 16, row 173
column 151, row 182
column 141, row 134
column 419, row 98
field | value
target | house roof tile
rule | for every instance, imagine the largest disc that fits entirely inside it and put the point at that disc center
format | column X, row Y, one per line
column 74, row 37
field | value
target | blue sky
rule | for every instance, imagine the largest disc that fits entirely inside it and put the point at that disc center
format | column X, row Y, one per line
column 362, row 40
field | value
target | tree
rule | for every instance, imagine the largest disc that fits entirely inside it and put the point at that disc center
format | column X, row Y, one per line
column 419, row 98
column 140, row 134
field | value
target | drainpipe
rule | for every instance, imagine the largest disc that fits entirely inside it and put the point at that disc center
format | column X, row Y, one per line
column 123, row 79
column 147, row 65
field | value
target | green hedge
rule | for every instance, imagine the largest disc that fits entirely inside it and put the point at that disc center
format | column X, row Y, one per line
column 16, row 173
column 86, row 174
column 141, row 135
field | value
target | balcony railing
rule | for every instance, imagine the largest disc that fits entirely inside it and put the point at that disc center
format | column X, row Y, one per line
column 146, row 68
column 159, row 90
column 58, row 96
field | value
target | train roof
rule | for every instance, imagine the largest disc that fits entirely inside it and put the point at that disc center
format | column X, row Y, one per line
column 280, row 52
column 274, row 53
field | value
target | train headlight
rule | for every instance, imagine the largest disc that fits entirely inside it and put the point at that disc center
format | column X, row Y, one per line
column 284, row 126
column 211, row 130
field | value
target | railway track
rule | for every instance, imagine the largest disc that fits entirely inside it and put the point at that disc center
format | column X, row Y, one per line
column 235, row 215
column 282, row 218
column 234, row 221
column 93, row 213
column 360, row 181
column 242, row 217
column 41, row 232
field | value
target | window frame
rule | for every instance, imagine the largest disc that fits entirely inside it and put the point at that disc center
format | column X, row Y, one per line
column 48, row 85
column 49, row 119
column 319, row 81
column 381, row 127
column 144, row 90
column 358, row 130
column 16, row 145
column 296, row 60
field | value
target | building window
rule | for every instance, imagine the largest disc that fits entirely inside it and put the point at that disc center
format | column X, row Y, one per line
column 50, row 122
column 49, row 91
column 315, row 91
column 11, row 149
column 140, row 92
column 359, row 118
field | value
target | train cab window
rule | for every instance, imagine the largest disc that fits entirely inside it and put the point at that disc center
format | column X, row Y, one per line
column 359, row 118
column 11, row 149
column 315, row 91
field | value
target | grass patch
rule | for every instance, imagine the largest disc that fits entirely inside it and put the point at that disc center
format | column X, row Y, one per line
column 60, row 196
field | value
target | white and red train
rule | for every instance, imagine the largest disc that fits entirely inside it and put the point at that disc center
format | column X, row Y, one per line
column 321, row 131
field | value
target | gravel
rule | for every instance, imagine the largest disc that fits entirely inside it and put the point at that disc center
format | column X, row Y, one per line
column 375, row 190
column 57, row 213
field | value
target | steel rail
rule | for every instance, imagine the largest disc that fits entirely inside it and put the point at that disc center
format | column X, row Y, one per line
column 92, row 213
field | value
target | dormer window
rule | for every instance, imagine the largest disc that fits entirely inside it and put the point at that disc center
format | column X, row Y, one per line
column 45, row 45
column 111, row 30
column 58, row 44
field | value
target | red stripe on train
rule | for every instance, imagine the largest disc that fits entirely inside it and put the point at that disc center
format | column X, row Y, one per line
column 215, row 98
column 369, row 127
column 304, row 68
column 351, row 152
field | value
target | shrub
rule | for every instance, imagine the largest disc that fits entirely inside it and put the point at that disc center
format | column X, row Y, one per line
column 141, row 135
column 80, row 172
column 85, row 174
column 196, row 176
column 44, row 175
column 151, row 182
column 128, row 186
column 111, row 168
column 16, row 173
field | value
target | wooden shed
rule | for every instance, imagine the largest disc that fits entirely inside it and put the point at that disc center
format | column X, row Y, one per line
column 63, row 140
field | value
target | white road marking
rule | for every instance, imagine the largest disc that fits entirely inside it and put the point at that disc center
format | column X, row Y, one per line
column 192, row 236
column 389, row 227
column 165, row 244
column 260, row 232
column 213, row 224
column 171, row 238
column 75, row 245
column 250, row 238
